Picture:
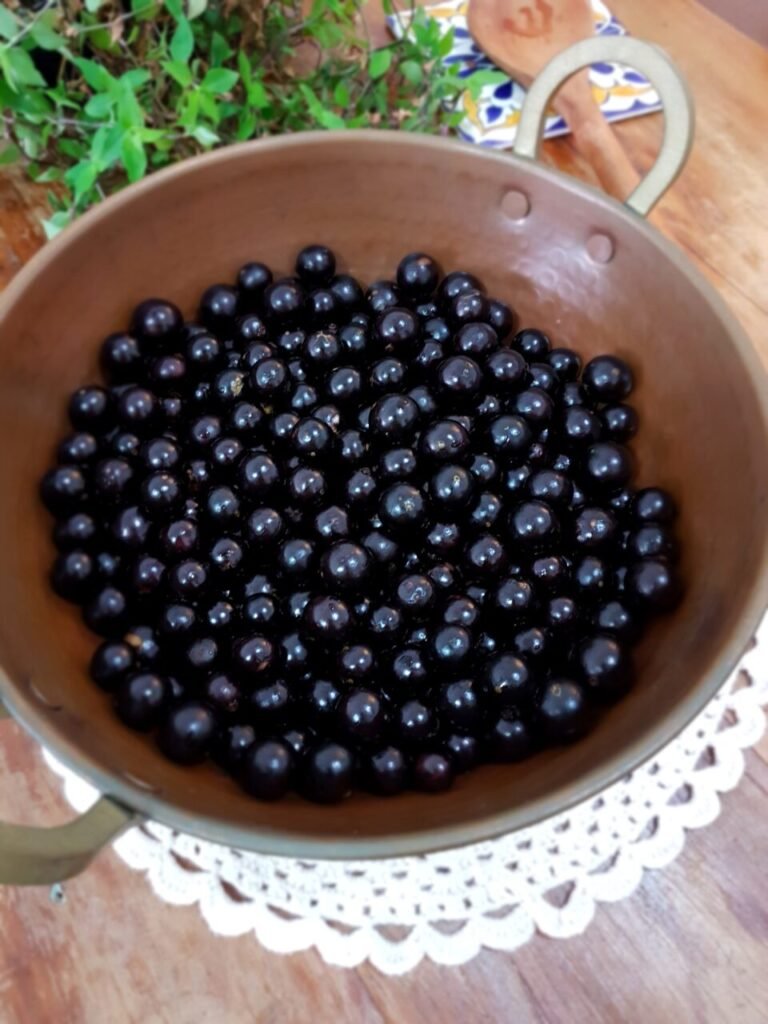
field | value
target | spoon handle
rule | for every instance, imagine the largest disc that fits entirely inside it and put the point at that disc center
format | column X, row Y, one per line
column 594, row 138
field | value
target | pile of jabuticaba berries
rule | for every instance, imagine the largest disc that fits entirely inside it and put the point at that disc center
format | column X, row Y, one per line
column 339, row 539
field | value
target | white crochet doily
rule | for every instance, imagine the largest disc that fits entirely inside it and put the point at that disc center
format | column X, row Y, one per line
column 448, row 906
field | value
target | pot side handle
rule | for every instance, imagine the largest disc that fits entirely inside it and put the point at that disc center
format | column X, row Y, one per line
column 657, row 67
column 42, row 856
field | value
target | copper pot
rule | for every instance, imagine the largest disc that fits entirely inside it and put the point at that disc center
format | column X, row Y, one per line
column 585, row 268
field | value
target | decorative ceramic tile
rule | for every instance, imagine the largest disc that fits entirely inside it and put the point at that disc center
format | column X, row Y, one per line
column 491, row 119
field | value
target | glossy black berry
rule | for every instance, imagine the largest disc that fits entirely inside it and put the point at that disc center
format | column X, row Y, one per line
column 476, row 340
column 409, row 671
column 534, row 523
column 189, row 578
column 607, row 465
column 346, row 566
column 604, row 666
column 531, row 644
column 417, row 275
column 347, row 292
column 591, row 577
column 121, row 358
column 62, row 489
column 565, row 362
column 266, row 769
column 177, row 621
column 459, row 379
column 595, row 528
column 618, row 619
column 652, row 585
column 501, row 318
column 397, row 329
column 156, row 322
column 253, row 655
column 77, row 531
column 382, row 295
column 402, row 507
column 432, row 773
column 203, row 353
column 137, row 409
column 362, row 717
column 564, row 713
column 141, row 699
column 506, row 371
column 259, row 475
column 533, row 344
column 268, row 379
column 562, row 615
column 385, row 623
column 507, row 680
column 90, row 409
column 544, row 378
column 607, row 379
column 415, row 594
column 187, row 733
column 284, row 302
column 110, row 663
column 510, row 738
column 386, row 771
column 270, row 705
column 620, row 422
column 315, row 265
column 509, row 437
column 252, row 280
column 653, row 504
column 327, row 619
column 451, row 487
column 328, row 773
column 651, row 540
column 535, row 406
column 469, row 307
column 393, row 419
column 106, row 612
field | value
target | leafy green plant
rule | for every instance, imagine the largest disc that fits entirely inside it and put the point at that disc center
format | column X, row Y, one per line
column 98, row 93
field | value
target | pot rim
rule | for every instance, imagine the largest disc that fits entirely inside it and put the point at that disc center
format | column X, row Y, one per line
column 482, row 828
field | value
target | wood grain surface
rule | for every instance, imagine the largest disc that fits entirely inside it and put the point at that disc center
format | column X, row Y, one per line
column 691, row 945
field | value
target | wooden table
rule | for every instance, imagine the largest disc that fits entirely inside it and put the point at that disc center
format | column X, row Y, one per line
column 690, row 946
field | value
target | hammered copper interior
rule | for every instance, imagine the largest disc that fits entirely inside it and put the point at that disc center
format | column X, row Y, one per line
column 374, row 197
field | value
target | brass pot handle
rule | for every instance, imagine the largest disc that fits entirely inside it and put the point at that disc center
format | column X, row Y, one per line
column 42, row 856
column 657, row 67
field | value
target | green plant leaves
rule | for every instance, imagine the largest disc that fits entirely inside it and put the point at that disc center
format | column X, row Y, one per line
column 205, row 136
column 195, row 8
column 412, row 72
column 99, row 106
column 178, row 71
column 324, row 117
column 9, row 154
column 219, row 80
column 142, row 83
column 18, row 69
column 95, row 74
column 45, row 36
column 182, row 41
column 476, row 82
column 9, row 25
column 379, row 62
column 134, row 156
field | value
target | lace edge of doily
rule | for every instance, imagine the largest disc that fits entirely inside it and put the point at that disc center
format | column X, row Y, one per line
column 228, row 916
column 225, row 916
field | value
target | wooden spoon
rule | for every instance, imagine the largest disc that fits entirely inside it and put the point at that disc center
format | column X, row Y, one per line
column 521, row 37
